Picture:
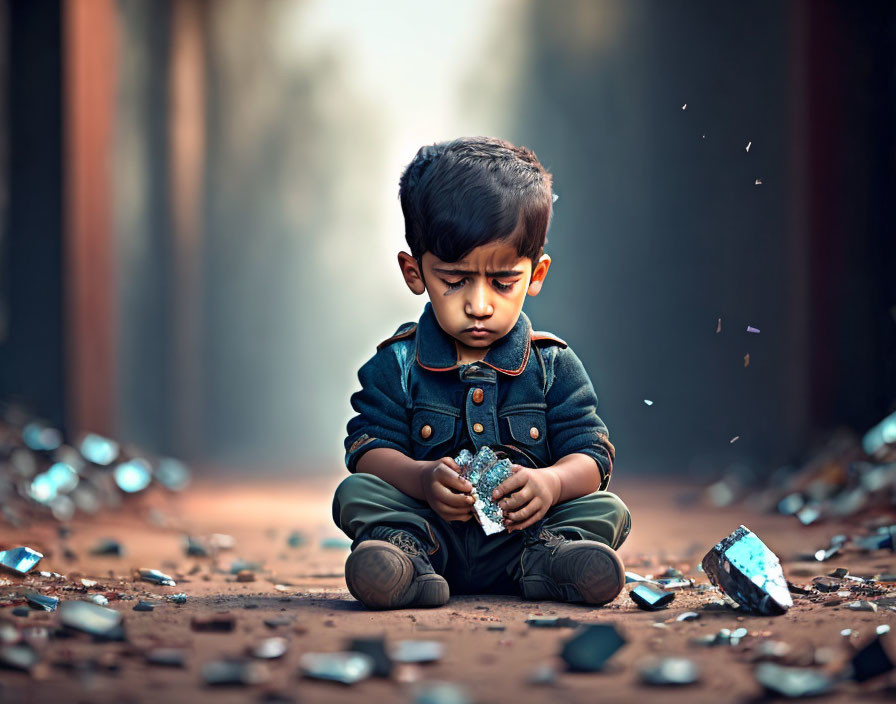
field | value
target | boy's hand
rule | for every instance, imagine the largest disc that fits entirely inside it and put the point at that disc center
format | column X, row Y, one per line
column 530, row 493
column 446, row 492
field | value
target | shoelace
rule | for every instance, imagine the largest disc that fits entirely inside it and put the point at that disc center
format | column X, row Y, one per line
column 551, row 540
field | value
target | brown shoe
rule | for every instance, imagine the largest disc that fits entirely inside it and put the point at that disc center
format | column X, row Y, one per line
column 557, row 569
column 394, row 574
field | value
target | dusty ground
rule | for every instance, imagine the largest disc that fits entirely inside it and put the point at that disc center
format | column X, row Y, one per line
column 492, row 665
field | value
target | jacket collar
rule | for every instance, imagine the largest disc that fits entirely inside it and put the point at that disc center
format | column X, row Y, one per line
column 437, row 352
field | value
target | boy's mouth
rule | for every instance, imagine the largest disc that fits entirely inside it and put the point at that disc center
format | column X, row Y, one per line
column 478, row 332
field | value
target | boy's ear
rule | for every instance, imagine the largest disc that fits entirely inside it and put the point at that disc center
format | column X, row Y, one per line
column 410, row 270
column 538, row 273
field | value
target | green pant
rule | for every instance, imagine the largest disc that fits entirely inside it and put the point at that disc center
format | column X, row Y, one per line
column 471, row 561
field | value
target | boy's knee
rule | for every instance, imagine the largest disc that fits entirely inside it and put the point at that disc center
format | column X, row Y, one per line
column 352, row 486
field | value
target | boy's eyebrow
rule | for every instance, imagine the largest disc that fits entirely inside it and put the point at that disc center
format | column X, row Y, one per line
column 455, row 272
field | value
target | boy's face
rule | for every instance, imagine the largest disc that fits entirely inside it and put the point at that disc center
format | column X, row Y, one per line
column 484, row 291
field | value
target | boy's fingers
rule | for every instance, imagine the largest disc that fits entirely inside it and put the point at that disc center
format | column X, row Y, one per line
column 449, row 498
column 448, row 477
column 516, row 499
column 508, row 486
column 525, row 512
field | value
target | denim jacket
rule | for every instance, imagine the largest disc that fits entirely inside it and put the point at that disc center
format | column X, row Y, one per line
column 529, row 397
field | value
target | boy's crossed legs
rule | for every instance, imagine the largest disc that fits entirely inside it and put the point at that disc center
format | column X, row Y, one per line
column 405, row 554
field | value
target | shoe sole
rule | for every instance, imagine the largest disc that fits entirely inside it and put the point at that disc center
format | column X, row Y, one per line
column 591, row 568
column 381, row 576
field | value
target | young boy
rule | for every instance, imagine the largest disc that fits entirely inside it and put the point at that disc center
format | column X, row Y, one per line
column 471, row 373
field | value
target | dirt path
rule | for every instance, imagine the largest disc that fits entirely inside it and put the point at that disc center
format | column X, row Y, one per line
column 303, row 587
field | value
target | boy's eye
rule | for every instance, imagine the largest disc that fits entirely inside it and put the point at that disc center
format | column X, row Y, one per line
column 457, row 284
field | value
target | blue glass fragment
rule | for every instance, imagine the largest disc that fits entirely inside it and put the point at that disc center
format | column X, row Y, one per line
column 747, row 571
column 41, row 437
column 651, row 598
column 20, row 559
column 133, row 476
column 155, row 576
column 90, row 618
column 485, row 472
column 99, row 450
column 40, row 602
column 173, row 474
column 347, row 667
column 589, row 648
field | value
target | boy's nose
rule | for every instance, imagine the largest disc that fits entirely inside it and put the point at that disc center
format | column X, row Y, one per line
column 478, row 304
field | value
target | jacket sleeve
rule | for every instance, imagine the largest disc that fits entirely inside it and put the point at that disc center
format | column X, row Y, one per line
column 573, row 423
column 382, row 418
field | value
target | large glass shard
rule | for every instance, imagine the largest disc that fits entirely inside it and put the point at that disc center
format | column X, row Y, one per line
column 19, row 560
column 485, row 472
column 589, row 649
column 748, row 572
column 792, row 682
column 41, row 602
column 347, row 668
column 651, row 598
column 133, row 476
column 90, row 618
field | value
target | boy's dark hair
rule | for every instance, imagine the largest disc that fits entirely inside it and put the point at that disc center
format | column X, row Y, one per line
column 461, row 194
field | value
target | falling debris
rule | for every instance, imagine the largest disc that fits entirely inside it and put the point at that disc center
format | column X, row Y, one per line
column 346, row 667
column 684, row 107
column 19, row 560
column 750, row 328
column 757, row 182
column 747, row 359
column 734, row 439
column 650, row 598
column 589, row 649
column 669, row 671
column 749, row 573
column 554, row 198
column 749, row 144
column 648, row 402
column 719, row 326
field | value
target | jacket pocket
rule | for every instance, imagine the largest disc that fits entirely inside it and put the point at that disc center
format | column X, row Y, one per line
column 431, row 427
column 525, row 425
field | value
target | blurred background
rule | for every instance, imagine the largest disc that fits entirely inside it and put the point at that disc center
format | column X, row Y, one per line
column 199, row 218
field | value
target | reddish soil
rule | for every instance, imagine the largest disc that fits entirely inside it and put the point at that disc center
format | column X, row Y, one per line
column 492, row 665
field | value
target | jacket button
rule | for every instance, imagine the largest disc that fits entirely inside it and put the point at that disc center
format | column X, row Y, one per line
column 477, row 427
column 477, row 396
column 425, row 431
column 533, row 433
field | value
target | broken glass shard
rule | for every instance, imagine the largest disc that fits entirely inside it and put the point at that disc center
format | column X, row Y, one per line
column 589, row 649
column 669, row 671
column 99, row 450
column 18, row 657
column 194, row 547
column 167, row 657
column 19, row 560
column 173, row 474
column 108, row 546
column 347, row 667
column 235, row 672
column 440, row 693
column 156, row 577
column 551, row 622
column 687, row 616
column 792, row 682
column 651, row 598
column 295, row 539
column 335, row 543
column 871, row 661
column 41, row 438
column 485, row 472
column 176, row 598
column 142, row 605
column 133, row 476
column 417, row 651
column 41, row 602
column 89, row 618
column 270, row 648
column 745, row 570
column 98, row 599
column 375, row 649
